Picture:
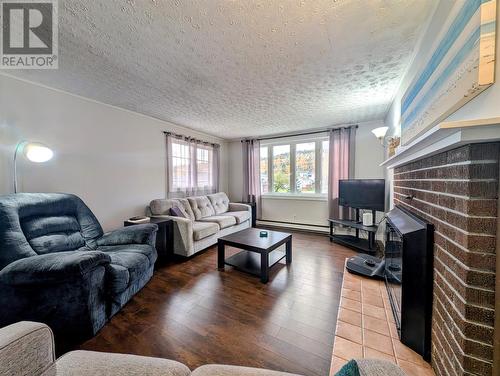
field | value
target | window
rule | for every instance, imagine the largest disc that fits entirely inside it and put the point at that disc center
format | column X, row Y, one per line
column 181, row 160
column 191, row 167
column 325, row 149
column 264, row 170
column 281, row 169
column 298, row 168
column 203, row 167
column 305, row 155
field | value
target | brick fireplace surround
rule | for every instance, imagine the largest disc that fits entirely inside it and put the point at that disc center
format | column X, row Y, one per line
column 457, row 191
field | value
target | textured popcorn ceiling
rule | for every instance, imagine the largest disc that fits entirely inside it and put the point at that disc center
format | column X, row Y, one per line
column 238, row 68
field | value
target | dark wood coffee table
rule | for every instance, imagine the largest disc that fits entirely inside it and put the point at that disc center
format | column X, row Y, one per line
column 259, row 254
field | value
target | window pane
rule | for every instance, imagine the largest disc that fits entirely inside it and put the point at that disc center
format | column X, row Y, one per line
column 281, row 168
column 203, row 162
column 180, row 164
column 264, row 176
column 325, row 146
column 305, row 155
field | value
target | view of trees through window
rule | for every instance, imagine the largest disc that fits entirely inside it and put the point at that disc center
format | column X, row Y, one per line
column 305, row 155
column 296, row 168
column 281, row 168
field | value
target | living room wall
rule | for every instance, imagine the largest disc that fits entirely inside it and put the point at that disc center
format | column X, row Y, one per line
column 313, row 211
column 483, row 106
column 112, row 158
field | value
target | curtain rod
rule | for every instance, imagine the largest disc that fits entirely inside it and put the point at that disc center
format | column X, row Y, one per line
column 190, row 138
column 301, row 134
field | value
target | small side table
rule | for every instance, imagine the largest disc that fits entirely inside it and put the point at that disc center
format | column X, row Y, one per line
column 164, row 237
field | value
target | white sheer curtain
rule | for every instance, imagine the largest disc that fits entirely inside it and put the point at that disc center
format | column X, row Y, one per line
column 251, row 173
column 192, row 167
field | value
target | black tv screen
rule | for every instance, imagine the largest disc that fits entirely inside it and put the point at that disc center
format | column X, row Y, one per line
column 362, row 194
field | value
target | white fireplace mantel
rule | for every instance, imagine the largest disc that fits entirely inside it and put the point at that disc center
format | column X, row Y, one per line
column 446, row 136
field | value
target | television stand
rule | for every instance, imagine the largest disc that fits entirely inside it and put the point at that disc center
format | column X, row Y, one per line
column 354, row 241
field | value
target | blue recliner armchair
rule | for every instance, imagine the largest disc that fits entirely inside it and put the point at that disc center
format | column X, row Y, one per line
column 58, row 267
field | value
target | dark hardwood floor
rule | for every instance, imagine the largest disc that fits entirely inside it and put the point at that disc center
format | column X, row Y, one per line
column 193, row 313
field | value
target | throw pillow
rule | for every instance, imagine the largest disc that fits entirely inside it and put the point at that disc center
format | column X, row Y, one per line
column 176, row 212
column 349, row 369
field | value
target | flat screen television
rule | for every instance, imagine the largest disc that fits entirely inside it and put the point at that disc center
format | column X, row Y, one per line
column 366, row 194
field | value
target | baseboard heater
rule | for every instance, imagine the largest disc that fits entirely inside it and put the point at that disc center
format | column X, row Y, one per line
column 293, row 225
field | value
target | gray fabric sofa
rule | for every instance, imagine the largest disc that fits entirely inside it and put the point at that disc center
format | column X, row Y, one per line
column 57, row 266
column 205, row 219
column 27, row 349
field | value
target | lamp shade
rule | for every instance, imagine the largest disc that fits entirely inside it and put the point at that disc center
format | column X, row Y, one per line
column 34, row 152
column 37, row 152
column 380, row 132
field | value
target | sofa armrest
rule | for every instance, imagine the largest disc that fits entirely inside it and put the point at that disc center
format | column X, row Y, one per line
column 235, row 206
column 52, row 267
column 136, row 234
column 183, row 234
column 26, row 348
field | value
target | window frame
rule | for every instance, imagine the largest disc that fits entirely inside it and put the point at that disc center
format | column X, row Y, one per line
column 293, row 194
column 209, row 162
column 192, row 166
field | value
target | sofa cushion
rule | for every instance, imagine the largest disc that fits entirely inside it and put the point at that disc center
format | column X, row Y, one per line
column 371, row 367
column 222, row 220
column 84, row 363
column 185, row 207
column 47, row 234
column 201, row 207
column 204, row 229
column 144, row 249
column 176, row 212
column 163, row 206
column 220, row 202
column 226, row 370
column 241, row 216
column 125, row 268
column 117, row 278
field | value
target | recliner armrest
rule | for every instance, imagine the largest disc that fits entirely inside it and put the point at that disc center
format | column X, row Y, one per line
column 52, row 267
column 236, row 206
column 136, row 234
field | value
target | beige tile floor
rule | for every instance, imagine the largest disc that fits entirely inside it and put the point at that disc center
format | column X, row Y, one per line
column 366, row 328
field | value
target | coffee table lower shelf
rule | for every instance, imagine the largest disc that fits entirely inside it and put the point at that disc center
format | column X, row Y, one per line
column 250, row 261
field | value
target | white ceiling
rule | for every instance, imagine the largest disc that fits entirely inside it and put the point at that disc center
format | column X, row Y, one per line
column 238, row 68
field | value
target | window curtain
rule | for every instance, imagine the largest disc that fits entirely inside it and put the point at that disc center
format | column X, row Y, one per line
column 341, row 166
column 216, row 168
column 184, row 159
column 251, row 173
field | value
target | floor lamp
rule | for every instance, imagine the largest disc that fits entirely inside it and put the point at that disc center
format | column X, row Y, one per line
column 34, row 152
